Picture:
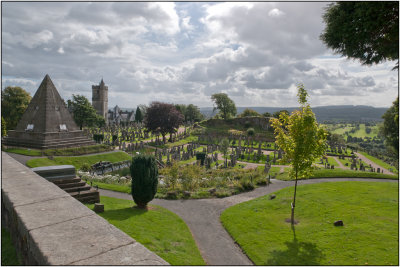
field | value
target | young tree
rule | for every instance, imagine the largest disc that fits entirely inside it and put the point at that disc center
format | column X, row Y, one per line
column 367, row 31
column 138, row 115
column 14, row 101
column 301, row 138
column 163, row 118
column 83, row 112
column 144, row 173
column 390, row 127
column 249, row 113
column 225, row 105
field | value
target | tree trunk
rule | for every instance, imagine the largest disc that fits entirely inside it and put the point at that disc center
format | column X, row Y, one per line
column 294, row 201
column 163, row 136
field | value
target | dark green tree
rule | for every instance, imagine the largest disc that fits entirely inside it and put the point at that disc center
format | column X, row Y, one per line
column 225, row 105
column 267, row 114
column 363, row 30
column 144, row 173
column 14, row 101
column 83, row 112
column 3, row 127
column 138, row 115
column 249, row 113
column 193, row 114
column 390, row 127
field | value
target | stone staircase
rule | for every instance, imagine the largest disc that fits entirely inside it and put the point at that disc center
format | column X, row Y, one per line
column 79, row 190
column 64, row 177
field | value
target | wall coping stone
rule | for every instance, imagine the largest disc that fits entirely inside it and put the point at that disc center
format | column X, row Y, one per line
column 56, row 229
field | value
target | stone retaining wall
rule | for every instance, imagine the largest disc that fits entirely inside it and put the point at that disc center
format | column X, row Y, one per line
column 49, row 227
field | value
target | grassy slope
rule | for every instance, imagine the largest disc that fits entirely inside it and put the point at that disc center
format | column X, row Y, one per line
column 23, row 151
column 370, row 234
column 78, row 161
column 158, row 229
column 379, row 162
column 8, row 252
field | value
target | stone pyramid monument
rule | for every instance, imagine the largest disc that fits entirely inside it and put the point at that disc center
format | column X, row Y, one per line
column 47, row 123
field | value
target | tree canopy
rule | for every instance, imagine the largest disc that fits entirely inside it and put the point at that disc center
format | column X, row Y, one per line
column 138, row 115
column 190, row 112
column 248, row 112
column 14, row 101
column 83, row 112
column 363, row 30
column 163, row 118
column 301, row 138
column 225, row 105
column 391, row 126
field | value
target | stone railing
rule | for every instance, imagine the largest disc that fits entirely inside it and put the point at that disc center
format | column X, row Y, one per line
column 49, row 227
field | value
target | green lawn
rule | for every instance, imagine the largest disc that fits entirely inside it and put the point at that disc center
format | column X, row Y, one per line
column 112, row 187
column 369, row 235
column 8, row 252
column 24, row 151
column 379, row 162
column 78, row 161
column 158, row 229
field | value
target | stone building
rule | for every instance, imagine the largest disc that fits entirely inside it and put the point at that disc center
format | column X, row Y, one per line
column 100, row 99
column 118, row 116
column 46, row 123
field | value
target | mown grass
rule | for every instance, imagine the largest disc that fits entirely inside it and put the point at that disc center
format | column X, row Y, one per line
column 24, row 151
column 379, row 162
column 8, row 253
column 78, row 161
column 158, row 229
column 369, row 236
column 112, row 187
column 72, row 151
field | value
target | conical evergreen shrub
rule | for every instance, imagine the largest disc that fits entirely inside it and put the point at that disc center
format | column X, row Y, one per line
column 144, row 174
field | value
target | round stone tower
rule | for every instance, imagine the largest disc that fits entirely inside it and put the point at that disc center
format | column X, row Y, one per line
column 100, row 99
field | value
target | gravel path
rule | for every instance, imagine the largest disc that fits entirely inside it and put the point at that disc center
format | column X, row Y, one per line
column 202, row 217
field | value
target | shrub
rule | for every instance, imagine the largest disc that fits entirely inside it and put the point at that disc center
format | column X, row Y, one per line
column 85, row 167
column 201, row 156
column 144, row 173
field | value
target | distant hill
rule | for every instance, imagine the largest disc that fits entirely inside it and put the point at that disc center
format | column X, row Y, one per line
column 323, row 113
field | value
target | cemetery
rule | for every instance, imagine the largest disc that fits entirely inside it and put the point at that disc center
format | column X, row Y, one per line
column 156, row 165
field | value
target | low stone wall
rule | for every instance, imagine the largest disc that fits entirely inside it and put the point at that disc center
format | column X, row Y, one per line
column 49, row 227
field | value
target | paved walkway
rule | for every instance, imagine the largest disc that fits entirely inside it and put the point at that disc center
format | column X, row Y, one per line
column 202, row 216
column 373, row 164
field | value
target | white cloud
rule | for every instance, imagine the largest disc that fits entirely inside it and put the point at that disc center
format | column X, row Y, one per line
column 275, row 13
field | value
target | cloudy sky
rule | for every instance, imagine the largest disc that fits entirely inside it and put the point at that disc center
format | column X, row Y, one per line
column 184, row 52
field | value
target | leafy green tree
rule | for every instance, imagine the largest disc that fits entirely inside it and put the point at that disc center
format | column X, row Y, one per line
column 14, row 101
column 278, row 113
column 301, row 138
column 83, row 112
column 249, row 113
column 224, row 147
column 267, row 114
column 193, row 114
column 138, row 115
column 144, row 173
column 390, row 127
column 3, row 127
column 225, row 105
column 250, row 133
column 363, row 30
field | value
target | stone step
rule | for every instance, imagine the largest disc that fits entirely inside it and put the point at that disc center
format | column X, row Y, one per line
column 77, row 189
column 90, row 196
column 71, row 185
column 66, row 181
